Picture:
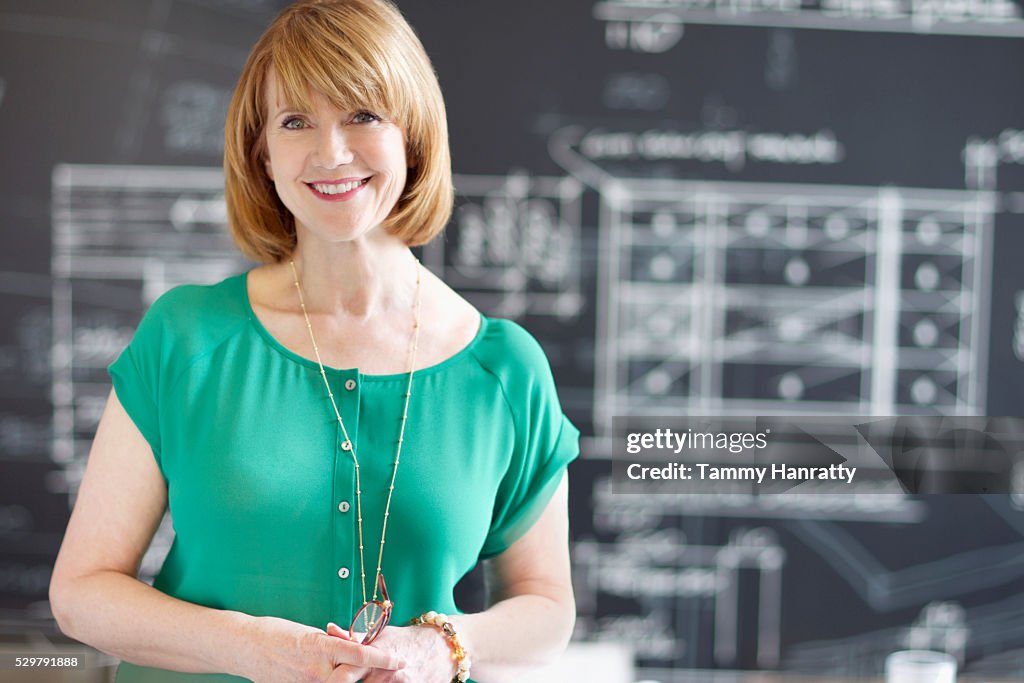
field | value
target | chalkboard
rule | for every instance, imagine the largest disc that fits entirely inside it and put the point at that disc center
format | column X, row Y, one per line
column 699, row 207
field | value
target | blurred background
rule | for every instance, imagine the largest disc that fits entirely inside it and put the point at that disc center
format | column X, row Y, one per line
column 699, row 207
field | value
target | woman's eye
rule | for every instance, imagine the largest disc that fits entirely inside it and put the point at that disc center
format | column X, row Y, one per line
column 365, row 117
column 293, row 123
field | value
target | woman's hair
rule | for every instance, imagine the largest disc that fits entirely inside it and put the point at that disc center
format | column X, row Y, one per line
column 359, row 54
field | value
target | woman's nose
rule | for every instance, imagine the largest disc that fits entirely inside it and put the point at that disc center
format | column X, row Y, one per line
column 333, row 148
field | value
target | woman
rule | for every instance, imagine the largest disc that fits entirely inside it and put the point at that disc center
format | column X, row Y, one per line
column 331, row 419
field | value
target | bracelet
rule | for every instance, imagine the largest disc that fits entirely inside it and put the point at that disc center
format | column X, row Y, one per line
column 459, row 653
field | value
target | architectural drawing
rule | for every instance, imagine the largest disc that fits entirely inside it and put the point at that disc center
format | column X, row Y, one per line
column 512, row 245
column 754, row 298
column 681, row 598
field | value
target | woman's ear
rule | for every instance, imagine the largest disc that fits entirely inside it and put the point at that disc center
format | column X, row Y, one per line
column 268, row 169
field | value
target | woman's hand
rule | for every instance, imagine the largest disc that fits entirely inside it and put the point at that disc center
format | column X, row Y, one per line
column 283, row 651
column 426, row 653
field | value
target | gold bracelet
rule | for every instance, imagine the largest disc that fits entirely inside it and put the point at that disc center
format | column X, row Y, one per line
column 459, row 653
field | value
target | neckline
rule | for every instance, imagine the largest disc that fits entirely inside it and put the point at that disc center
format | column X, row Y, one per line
column 277, row 346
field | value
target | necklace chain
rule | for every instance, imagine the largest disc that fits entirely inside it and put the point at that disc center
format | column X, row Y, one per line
column 352, row 448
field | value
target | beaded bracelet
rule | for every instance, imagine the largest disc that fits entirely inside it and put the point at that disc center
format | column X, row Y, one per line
column 459, row 653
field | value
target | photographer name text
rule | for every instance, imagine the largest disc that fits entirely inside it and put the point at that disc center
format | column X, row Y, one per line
column 709, row 471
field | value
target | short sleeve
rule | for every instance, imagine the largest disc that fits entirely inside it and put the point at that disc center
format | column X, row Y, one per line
column 136, row 376
column 545, row 443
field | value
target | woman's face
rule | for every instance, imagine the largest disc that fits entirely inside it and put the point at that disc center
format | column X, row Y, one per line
column 339, row 172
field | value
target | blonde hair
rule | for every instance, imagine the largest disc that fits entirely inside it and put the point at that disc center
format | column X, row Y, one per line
column 359, row 54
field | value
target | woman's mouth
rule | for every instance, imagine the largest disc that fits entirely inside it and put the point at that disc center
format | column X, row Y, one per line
column 337, row 191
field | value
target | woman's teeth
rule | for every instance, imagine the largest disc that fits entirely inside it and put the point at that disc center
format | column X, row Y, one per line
column 338, row 189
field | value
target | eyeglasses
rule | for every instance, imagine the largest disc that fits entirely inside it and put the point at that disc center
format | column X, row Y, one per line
column 374, row 615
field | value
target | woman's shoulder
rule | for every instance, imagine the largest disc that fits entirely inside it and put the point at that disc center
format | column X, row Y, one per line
column 197, row 300
column 508, row 339
column 508, row 351
column 194, row 314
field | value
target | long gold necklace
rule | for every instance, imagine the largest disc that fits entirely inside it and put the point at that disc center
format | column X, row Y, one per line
column 352, row 448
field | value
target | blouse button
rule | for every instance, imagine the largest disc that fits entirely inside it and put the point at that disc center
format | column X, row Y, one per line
column 350, row 384
column 346, row 445
column 343, row 506
column 343, row 573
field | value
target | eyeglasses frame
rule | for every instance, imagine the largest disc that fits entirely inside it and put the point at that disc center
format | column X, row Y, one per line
column 385, row 606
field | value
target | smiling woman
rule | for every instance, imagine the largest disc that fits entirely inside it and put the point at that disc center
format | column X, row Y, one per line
column 331, row 417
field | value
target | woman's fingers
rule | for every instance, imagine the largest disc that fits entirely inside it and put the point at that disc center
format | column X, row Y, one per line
column 364, row 656
column 337, row 631
column 355, row 661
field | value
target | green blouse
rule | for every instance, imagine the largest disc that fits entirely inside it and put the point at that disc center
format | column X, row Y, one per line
column 262, row 492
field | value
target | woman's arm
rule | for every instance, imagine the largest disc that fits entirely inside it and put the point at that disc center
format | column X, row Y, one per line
column 528, row 629
column 97, row 599
column 532, row 624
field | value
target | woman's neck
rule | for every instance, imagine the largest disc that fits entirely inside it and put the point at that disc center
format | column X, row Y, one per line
column 359, row 278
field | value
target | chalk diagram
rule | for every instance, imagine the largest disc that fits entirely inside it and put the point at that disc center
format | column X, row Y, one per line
column 685, row 604
column 746, row 298
column 511, row 244
column 872, row 306
column 669, row 577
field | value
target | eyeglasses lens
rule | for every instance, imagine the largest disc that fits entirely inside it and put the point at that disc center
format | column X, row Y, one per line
column 370, row 620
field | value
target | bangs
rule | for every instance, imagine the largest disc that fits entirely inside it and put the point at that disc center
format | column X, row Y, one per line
column 351, row 74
